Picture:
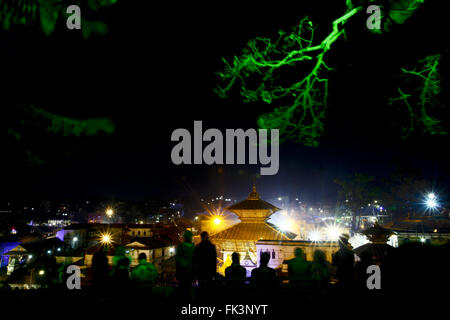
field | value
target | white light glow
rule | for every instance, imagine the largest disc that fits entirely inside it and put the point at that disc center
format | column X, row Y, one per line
column 315, row 235
column 109, row 212
column 431, row 203
column 333, row 233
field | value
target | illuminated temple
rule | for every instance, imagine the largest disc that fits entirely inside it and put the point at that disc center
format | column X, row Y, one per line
column 242, row 237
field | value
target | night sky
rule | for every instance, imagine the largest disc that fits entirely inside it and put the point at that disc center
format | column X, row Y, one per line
column 155, row 72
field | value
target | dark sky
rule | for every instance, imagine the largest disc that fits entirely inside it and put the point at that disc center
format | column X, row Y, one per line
column 155, row 72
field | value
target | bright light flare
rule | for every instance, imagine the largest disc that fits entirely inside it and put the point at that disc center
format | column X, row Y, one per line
column 106, row 238
column 431, row 202
column 333, row 233
column 109, row 212
column 217, row 221
column 315, row 235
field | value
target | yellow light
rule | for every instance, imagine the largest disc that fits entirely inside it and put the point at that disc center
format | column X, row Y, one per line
column 41, row 272
column 106, row 238
column 217, row 221
column 109, row 212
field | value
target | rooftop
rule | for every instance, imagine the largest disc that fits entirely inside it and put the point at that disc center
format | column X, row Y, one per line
column 253, row 208
column 253, row 232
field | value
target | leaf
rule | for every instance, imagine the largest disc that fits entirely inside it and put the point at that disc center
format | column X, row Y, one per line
column 49, row 15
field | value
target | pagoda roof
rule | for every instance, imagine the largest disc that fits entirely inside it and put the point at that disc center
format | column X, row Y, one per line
column 253, row 205
column 253, row 208
column 253, row 232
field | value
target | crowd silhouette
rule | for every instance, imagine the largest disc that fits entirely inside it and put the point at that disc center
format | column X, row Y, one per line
column 412, row 268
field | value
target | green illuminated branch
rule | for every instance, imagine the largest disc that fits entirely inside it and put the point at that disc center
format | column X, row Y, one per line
column 70, row 126
column 26, row 122
column 303, row 102
column 421, row 102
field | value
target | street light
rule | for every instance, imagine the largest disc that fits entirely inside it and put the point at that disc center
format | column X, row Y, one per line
column 315, row 235
column 106, row 238
column 109, row 212
column 431, row 201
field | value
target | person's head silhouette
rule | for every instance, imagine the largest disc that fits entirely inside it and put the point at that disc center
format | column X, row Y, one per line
column 298, row 253
column 235, row 257
column 264, row 259
column 204, row 235
column 142, row 256
column 343, row 240
column 319, row 256
column 187, row 236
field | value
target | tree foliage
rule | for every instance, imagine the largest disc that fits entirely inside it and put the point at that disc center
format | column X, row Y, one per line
column 300, row 105
column 46, row 14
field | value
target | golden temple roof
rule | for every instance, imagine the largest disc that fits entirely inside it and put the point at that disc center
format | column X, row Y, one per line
column 252, row 232
column 253, row 208
column 253, row 212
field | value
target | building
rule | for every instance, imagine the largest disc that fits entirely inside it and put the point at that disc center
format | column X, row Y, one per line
column 242, row 237
column 426, row 229
column 281, row 251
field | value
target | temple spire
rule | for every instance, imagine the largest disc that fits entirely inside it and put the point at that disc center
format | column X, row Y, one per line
column 253, row 195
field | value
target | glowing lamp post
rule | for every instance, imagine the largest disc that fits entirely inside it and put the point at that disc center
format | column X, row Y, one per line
column 109, row 212
column 431, row 202
column 106, row 239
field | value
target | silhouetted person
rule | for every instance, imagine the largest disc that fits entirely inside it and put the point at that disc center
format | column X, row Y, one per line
column 298, row 269
column 145, row 273
column 121, row 278
column 264, row 276
column 344, row 260
column 100, row 268
column 205, row 260
column 122, row 273
column 320, row 275
column 235, row 274
column 184, row 256
column 361, row 270
column 119, row 255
